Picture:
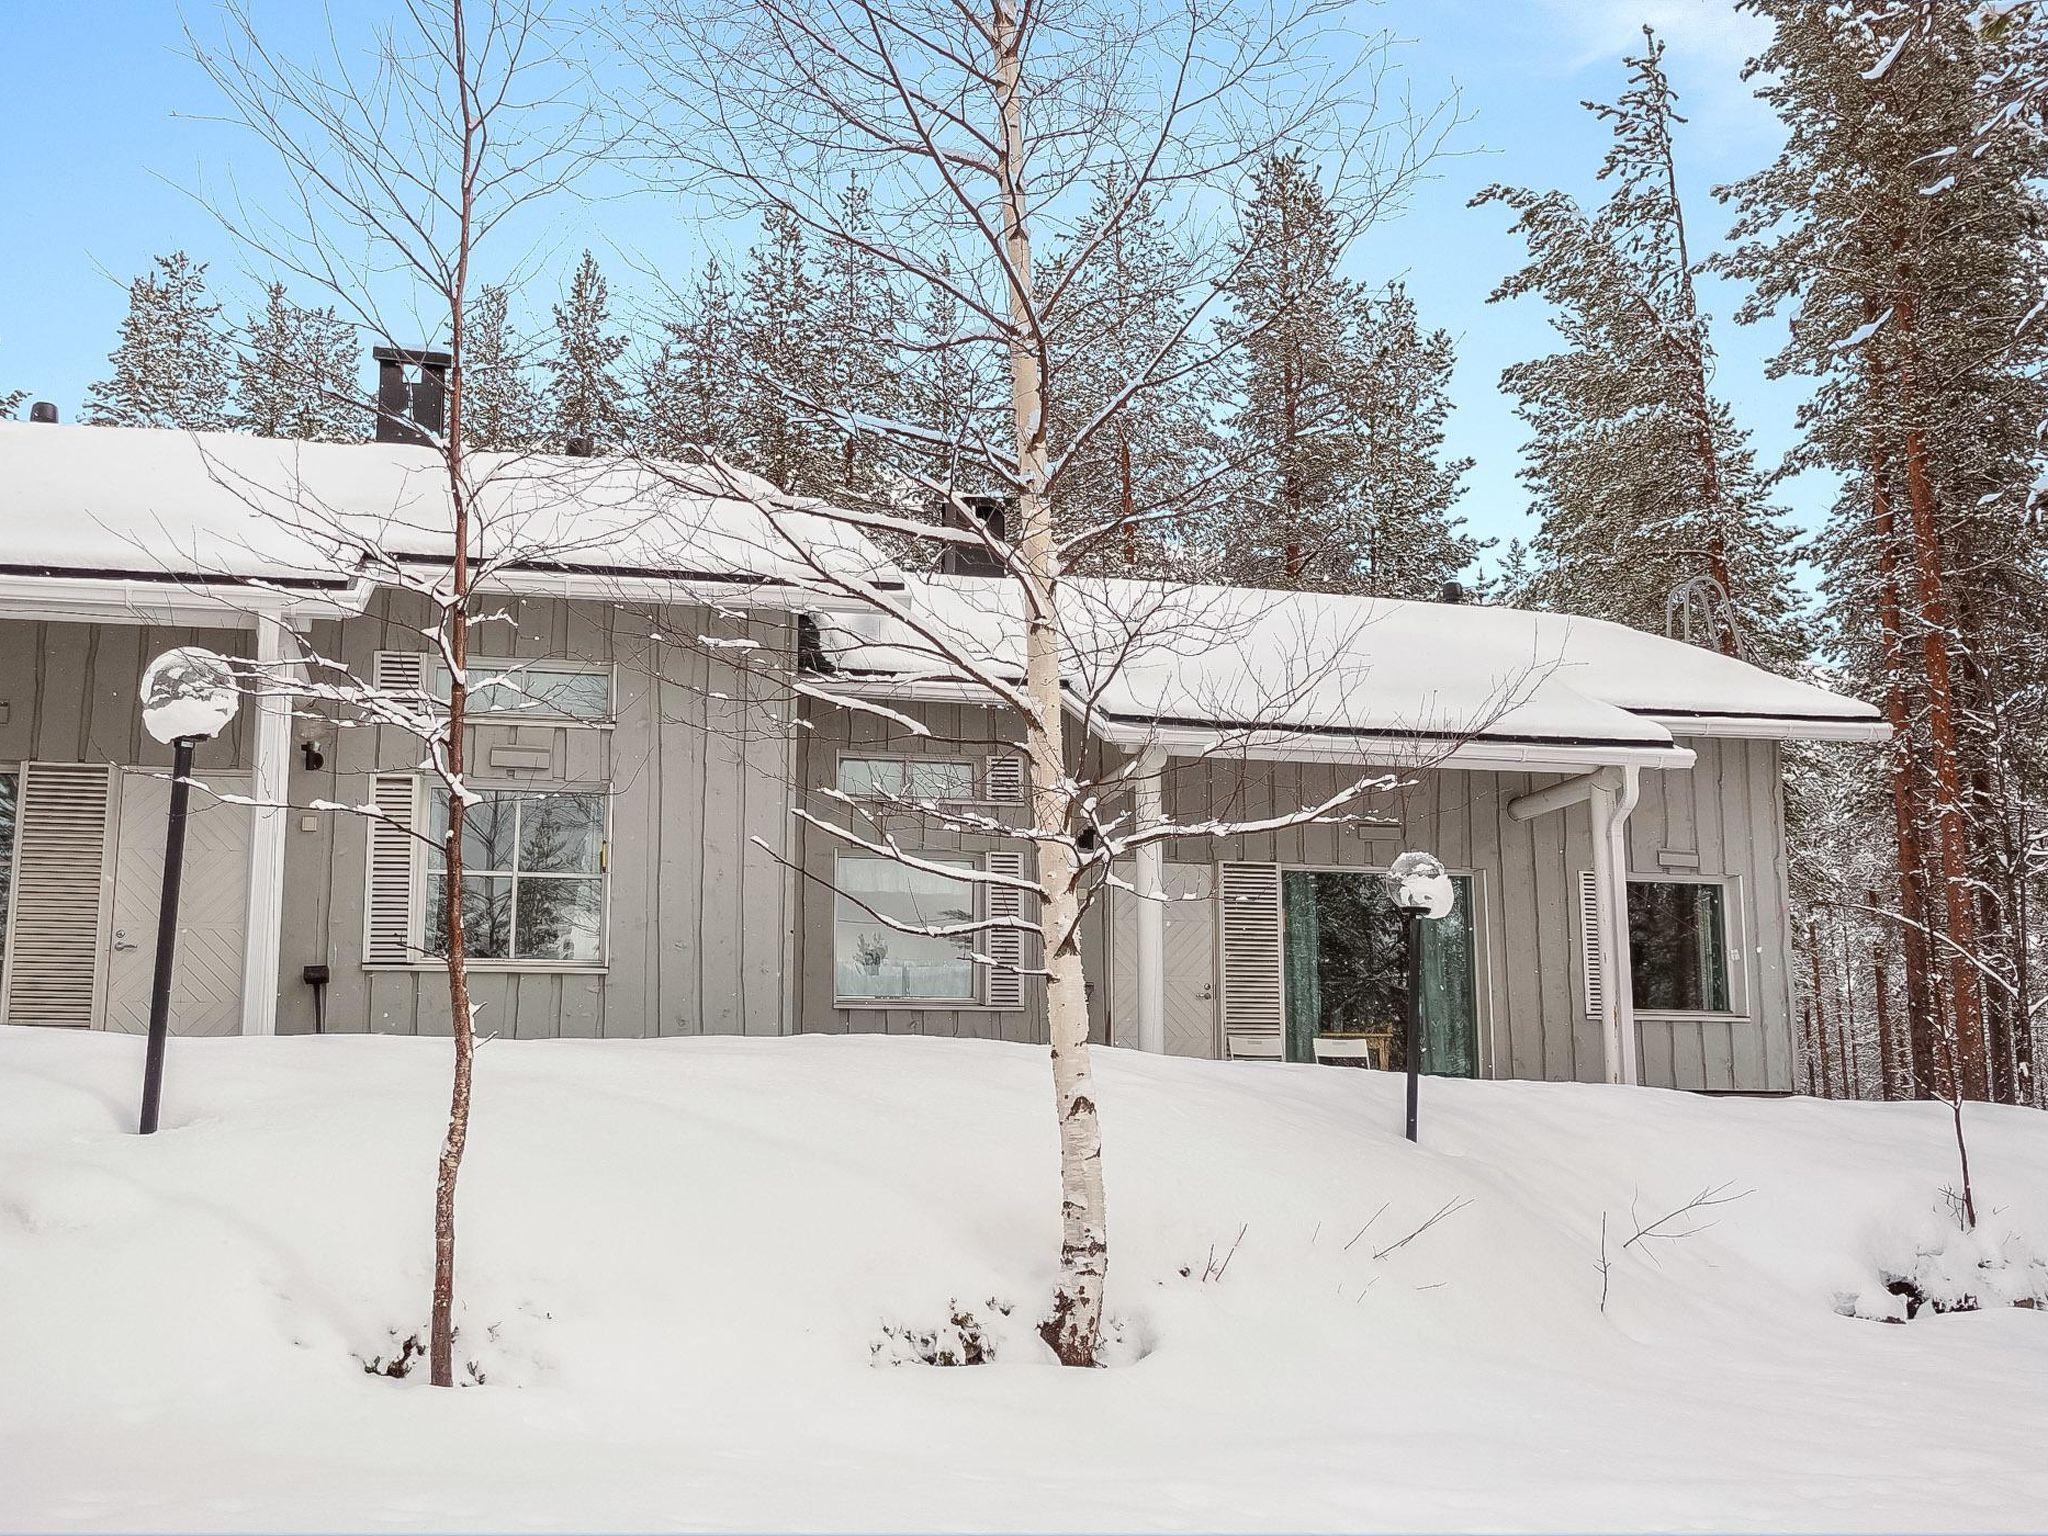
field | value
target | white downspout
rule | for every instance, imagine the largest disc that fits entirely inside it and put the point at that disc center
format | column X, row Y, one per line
column 1151, row 894
column 1610, row 805
column 271, row 762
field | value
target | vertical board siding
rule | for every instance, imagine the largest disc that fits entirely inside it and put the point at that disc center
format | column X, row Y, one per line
column 698, row 761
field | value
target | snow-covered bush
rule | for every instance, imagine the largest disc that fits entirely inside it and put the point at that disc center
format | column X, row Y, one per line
column 1931, row 1262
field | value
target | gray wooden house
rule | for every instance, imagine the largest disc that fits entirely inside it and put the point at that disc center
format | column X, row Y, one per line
column 677, row 687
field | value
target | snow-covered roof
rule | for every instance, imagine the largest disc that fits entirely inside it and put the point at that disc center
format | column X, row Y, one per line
column 1150, row 659
column 196, row 507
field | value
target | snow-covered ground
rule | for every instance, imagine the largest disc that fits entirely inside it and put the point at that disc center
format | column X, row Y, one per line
column 678, row 1256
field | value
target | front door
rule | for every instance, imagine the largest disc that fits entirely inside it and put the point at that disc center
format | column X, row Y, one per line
column 213, row 906
column 1189, row 960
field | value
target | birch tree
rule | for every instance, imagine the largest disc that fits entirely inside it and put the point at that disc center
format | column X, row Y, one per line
column 401, row 170
column 978, row 134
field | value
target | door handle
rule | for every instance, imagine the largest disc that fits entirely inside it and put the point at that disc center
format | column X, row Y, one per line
column 122, row 941
column 1208, row 991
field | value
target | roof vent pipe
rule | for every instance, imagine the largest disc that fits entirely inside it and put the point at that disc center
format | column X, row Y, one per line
column 43, row 411
column 1453, row 592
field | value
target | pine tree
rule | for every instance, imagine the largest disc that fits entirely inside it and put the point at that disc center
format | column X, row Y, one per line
column 10, row 402
column 170, row 368
column 1338, row 428
column 585, row 397
column 501, row 409
column 690, row 389
column 1907, row 245
column 1121, row 324
column 788, row 380
column 860, row 362
column 298, row 374
column 1647, row 492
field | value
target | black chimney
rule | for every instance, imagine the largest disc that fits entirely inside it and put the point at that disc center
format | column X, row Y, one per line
column 412, row 394
column 43, row 411
column 1454, row 592
column 991, row 512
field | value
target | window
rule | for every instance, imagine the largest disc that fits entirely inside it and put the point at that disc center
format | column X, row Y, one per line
column 554, row 690
column 907, row 778
column 1346, row 971
column 532, row 876
column 1678, row 946
column 874, row 962
column 9, row 784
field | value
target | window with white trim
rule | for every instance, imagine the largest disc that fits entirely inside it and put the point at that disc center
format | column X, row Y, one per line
column 908, row 778
column 1678, row 946
column 546, row 690
column 533, row 875
column 874, row 960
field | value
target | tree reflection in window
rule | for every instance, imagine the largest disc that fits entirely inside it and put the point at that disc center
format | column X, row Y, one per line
column 532, row 880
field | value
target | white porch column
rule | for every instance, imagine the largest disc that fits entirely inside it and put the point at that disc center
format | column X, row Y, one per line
column 271, row 762
column 1151, row 885
column 1610, row 804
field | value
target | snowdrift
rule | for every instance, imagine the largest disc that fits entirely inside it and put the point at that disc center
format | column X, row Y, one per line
column 681, row 1262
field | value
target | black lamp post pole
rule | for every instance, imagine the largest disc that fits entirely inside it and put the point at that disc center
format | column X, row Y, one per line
column 167, row 932
column 1412, row 1045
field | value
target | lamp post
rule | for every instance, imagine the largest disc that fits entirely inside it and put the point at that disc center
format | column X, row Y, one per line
column 188, row 696
column 1419, row 888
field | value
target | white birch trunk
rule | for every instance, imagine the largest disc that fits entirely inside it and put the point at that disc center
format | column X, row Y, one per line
column 1075, row 1324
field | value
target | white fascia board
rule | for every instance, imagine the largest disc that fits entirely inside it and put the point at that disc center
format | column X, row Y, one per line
column 1771, row 728
column 738, row 593
column 219, row 605
column 1480, row 753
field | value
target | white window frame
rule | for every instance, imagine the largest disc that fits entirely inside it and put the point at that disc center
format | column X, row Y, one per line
column 908, row 761
column 423, row 877
column 977, row 947
column 537, row 712
column 1734, row 945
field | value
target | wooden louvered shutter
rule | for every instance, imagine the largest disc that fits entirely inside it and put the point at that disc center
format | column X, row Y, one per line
column 1592, row 946
column 1002, row 779
column 389, row 902
column 1254, row 1011
column 60, row 854
column 1003, row 986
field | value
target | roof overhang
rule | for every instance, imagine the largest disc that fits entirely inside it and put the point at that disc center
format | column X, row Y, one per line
column 1771, row 727
column 1387, row 749
column 208, row 602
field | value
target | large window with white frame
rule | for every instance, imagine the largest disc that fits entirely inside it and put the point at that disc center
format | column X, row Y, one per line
column 533, row 876
column 1678, row 946
column 875, row 959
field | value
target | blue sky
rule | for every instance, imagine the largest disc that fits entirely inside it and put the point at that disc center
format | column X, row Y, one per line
column 107, row 127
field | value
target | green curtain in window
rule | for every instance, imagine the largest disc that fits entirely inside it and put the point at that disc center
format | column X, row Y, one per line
column 1303, row 941
column 1448, row 1046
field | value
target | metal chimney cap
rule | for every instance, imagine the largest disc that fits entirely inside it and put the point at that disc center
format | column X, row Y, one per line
column 44, row 411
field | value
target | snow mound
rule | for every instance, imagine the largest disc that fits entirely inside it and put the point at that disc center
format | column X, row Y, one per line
column 691, row 1271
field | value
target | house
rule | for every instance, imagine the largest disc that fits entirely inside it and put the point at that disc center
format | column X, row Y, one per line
column 673, row 702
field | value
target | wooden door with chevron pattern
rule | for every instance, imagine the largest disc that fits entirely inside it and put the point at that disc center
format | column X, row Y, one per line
column 213, row 909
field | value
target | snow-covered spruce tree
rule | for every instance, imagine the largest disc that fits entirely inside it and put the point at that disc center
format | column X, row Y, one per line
column 1127, row 306
column 486, row 127
column 585, row 402
column 690, row 389
column 1646, row 491
column 982, row 136
column 501, row 407
column 298, row 373
column 170, row 368
column 1337, row 420
column 1913, row 272
column 10, row 402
